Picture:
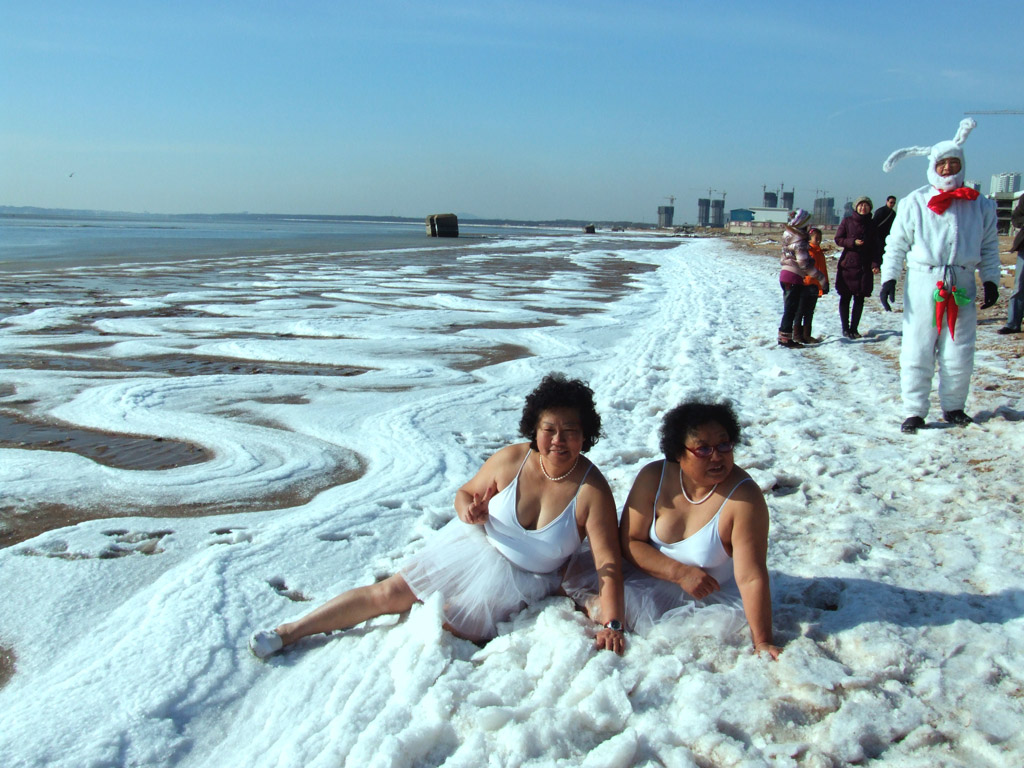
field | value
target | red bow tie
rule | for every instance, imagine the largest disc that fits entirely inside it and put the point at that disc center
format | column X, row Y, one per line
column 943, row 200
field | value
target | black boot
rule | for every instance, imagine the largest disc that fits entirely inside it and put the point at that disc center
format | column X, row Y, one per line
column 858, row 308
column 959, row 418
column 911, row 425
column 786, row 340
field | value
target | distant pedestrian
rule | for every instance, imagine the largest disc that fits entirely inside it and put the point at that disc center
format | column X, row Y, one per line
column 797, row 264
column 884, row 218
column 1016, row 310
column 946, row 233
column 860, row 261
column 812, row 290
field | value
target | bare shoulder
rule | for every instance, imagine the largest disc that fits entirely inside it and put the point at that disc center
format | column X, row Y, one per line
column 510, row 454
column 499, row 469
column 505, row 463
column 746, row 493
column 595, row 485
column 649, row 477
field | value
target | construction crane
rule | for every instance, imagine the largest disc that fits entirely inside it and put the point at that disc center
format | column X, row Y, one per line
column 671, row 199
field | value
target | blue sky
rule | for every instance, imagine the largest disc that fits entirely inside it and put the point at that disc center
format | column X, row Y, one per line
column 525, row 110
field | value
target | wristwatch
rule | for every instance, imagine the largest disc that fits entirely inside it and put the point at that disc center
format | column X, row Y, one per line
column 615, row 625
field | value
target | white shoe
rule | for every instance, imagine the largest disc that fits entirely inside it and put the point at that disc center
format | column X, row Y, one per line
column 265, row 643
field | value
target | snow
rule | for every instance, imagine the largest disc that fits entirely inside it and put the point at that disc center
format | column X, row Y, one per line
column 898, row 573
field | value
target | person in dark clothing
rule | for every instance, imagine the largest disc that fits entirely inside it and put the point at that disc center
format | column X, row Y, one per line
column 884, row 218
column 860, row 261
column 1015, row 312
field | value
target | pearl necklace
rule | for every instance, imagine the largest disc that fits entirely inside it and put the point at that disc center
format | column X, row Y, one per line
column 560, row 477
column 683, row 487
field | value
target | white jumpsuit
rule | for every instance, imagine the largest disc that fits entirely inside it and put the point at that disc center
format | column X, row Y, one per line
column 950, row 246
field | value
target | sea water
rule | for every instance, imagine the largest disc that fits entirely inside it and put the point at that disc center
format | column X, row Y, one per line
column 46, row 240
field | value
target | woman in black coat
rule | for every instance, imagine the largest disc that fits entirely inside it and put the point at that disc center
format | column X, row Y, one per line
column 860, row 261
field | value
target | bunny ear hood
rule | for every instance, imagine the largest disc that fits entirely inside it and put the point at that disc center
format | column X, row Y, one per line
column 967, row 125
column 940, row 151
column 899, row 154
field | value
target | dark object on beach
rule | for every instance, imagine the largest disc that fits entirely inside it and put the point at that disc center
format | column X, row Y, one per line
column 589, row 229
column 443, row 225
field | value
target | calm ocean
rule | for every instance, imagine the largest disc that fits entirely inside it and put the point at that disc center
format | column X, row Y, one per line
column 54, row 241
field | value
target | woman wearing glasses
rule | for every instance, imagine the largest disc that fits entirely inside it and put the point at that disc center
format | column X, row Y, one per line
column 695, row 526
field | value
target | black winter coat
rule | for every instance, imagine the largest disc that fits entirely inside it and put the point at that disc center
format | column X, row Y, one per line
column 883, row 219
column 1017, row 219
column 853, row 274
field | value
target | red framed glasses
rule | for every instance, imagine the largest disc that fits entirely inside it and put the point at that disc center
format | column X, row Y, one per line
column 706, row 451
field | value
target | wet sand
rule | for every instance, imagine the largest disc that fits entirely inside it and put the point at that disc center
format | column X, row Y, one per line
column 21, row 525
column 22, row 428
column 7, row 664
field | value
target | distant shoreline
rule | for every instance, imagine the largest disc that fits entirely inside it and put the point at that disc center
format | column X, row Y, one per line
column 37, row 212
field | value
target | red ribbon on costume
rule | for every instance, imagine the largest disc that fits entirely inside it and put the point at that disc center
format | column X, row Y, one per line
column 943, row 200
column 948, row 302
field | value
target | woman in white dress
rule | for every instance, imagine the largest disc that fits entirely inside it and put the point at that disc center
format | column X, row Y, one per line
column 518, row 520
column 695, row 530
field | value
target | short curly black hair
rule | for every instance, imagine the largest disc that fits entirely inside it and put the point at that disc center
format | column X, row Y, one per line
column 686, row 418
column 556, row 391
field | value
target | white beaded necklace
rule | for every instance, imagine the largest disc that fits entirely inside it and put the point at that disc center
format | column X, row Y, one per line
column 560, row 477
column 685, row 494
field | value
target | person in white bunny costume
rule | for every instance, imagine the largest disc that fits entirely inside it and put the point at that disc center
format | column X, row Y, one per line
column 945, row 232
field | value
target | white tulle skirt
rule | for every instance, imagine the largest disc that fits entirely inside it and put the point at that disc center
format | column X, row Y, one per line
column 651, row 601
column 480, row 587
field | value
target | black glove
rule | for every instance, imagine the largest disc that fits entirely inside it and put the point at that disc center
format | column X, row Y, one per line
column 991, row 295
column 888, row 294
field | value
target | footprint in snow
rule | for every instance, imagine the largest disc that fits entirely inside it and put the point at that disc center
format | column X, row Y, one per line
column 229, row 536
column 281, row 588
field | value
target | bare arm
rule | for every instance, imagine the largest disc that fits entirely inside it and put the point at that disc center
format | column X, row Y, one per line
column 601, row 526
column 471, row 499
column 749, row 552
column 634, row 533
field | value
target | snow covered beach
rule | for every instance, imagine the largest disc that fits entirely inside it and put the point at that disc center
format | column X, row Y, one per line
column 897, row 565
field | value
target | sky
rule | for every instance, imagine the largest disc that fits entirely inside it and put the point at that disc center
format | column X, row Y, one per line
column 525, row 110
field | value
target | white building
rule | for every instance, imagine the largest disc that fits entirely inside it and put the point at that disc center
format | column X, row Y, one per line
column 1004, row 182
column 770, row 215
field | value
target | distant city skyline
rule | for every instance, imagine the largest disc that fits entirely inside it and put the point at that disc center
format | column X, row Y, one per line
column 526, row 111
